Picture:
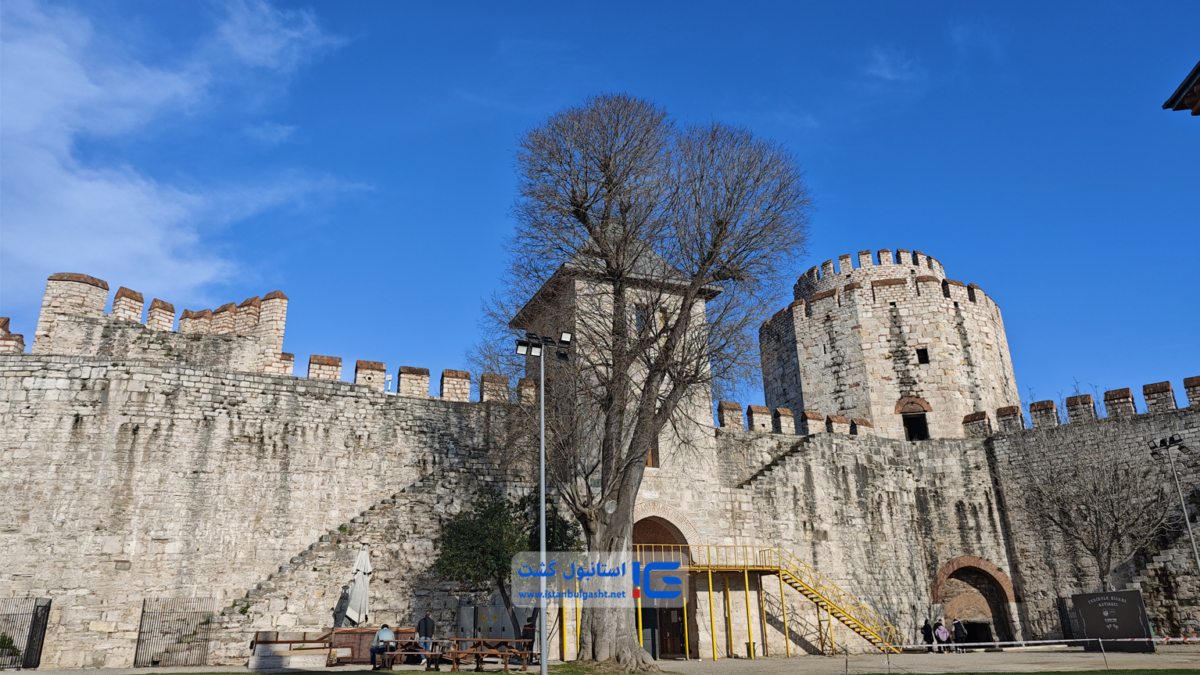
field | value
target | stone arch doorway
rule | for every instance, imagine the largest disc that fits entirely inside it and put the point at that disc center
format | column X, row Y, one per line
column 912, row 411
column 978, row 593
column 659, row 529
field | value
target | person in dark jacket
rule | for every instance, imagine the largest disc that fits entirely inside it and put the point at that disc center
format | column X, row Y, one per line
column 960, row 634
column 927, row 635
column 529, row 632
column 425, row 628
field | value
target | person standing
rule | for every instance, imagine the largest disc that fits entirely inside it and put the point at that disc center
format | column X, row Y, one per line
column 383, row 641
column 425, row 628
column 960, row 635
column 941, row 635
column 927, row 635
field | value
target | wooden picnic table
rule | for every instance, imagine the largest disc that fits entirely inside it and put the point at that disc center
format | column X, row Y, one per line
column 405, row 648
column 460, row 649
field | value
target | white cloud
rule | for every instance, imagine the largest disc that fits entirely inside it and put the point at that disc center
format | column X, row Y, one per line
column 271, row 133
column 969, row 36
column 892, row 66
column 58, row 212
column 263, row 36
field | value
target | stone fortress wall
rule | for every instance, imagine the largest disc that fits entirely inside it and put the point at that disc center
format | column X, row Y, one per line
column 139, row 473
column 886, row 338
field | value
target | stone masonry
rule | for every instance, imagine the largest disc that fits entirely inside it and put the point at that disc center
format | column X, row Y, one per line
column 142, row 462
column 885, row 338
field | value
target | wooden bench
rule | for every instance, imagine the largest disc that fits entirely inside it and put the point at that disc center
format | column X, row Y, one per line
column 460, row 649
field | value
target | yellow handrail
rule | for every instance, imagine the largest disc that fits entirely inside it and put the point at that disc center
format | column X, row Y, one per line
column 797, row 573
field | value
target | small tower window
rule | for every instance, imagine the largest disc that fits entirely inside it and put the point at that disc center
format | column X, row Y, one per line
column 652, row 456
column 922, row 356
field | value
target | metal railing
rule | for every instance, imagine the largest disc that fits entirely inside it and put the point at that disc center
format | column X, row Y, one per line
column 846, row 608
column 22, row 631
column 174, row 632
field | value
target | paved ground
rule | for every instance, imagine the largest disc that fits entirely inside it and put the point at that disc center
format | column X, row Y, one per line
column 1018, row 660
column 1013, row 660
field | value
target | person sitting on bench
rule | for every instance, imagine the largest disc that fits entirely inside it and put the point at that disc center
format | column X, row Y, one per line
column 383, row 641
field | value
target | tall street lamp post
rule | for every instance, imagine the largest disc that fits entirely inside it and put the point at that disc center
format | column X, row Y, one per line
column 536, row 346
column 1163, row 447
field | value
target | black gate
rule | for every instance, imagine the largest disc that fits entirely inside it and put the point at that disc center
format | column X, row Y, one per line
column 22, row 630
column 174, row 632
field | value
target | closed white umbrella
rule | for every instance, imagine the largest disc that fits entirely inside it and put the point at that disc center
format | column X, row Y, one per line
column 357, row 610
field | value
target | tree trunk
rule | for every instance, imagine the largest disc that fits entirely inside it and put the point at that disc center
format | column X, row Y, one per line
column 508, row 605
column 610, row 633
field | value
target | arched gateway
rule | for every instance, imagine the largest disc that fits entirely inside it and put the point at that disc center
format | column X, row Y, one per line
column 661, row 527
column 978, row 593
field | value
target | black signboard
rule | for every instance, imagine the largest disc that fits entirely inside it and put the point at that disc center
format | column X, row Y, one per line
column 1112, row 616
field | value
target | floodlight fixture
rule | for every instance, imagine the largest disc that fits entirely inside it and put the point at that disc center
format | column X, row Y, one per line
column 535, row 350
column 565, row 338
column 1163, row 447
column 562, row 356
column 522, row 347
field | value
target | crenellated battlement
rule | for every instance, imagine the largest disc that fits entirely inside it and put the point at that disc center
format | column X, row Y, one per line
column 1081, row 408
column 72, row 321
column 245, row 336
column 764, row 420
column 859, row 338
column 885, row 264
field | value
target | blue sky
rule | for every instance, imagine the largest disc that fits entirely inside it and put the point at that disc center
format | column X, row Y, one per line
column 359, row 155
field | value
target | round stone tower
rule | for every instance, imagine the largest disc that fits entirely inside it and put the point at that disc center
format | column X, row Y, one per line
column 892, row 341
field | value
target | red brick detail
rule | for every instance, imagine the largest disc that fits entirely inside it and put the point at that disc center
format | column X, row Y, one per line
column 822, row 295
column 159, row 304
column 952, row 282
column 123, row 292
column 409, row 370
column 759, row 409
column 367, row 365
column 1156, row 388
column 79, row 278
column 493, row 378
column 1082, row 399
column 1118, row 394
column 888, row 282
column 1042, row 405
column 275, row 295
column 1008, row 411
column 456, row 374
column 912, row 404
column 927, row 278
column 975, row 417
column 325, row 360
column 988, row 568
column 852, row 286
column 251, row 302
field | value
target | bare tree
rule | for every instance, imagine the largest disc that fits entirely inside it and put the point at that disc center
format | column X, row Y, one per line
column 661, row 249
column 1110, row 509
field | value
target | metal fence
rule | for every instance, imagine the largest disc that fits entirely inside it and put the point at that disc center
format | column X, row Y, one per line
column 175, row 632
column 22, row 630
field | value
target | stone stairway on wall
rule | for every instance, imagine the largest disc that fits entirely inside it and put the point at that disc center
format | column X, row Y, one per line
column 1171, row 590
column 400, row 532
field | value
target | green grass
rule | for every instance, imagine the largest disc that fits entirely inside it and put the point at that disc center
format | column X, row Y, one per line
column 1135, row 671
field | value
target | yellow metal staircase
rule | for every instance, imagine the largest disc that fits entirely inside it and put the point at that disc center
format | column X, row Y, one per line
column 827, row 596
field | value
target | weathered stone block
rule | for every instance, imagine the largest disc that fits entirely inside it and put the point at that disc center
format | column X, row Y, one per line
column 729, row 415
column 1119, row 403
column 1081, row 408
column 456, row 385
column 1159, row 397
column 1044, row 414
column 370, row 374
column 758, row 418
